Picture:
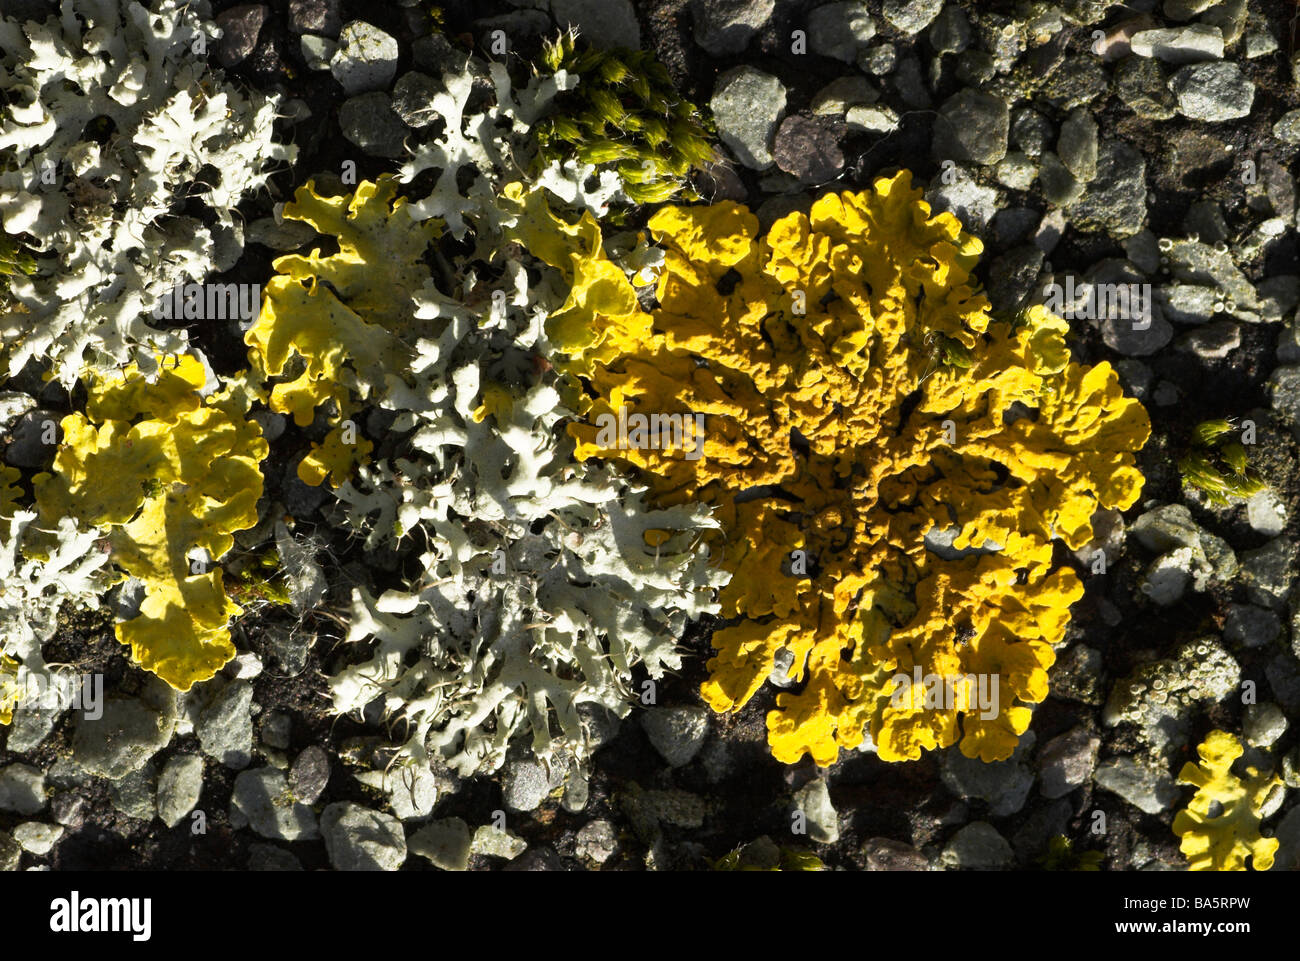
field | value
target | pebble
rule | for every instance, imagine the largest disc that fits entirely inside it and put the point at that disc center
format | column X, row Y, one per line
column 370, row 122
column 1060, row 187
column 122, row 740
column 1266, row 513
column 225, row 726
column 747, row 104
column 317, row 51
column 28, row 446
column 1212, row 91
column 971, row 127
column 309, row 774
column 879, row 119
column 911, row 16
column 605, row 24
column 977, row 847
column 808, row 149
column 179, row 787
column 1017, row 171
column 490, row 841
column 1066, row 762
column 366, row 59
column 971, row 202
column 1215, row 340
column 1287, row 128
column 359, row 839
column 38, row 838
column 1284, row 391
column 1263, row 724
column 22, row 789
column 1180, row 45
column 267, row 857
column 261, row 799
column 1268, row 572
column 1003, row 785
column 1140, row 85
column 1077, row 144
column 677, row 733
column 950, row 32
column 838, row 96
column 239, row 29
column 134, row 794
column 1149, row 790
column 524, row 785
column 840, row 30
column 596, row 840
column 315, row 16
column 1116, row 199
column 1251, row 626
column 724, row 27
column 413, row 96
column 887, row 854
column 821, row 819
column 445, row 843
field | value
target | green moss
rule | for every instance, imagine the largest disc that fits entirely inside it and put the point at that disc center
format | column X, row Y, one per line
column 1217, row 466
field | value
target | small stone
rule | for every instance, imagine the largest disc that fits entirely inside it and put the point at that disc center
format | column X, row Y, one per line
column 596, row 840
column 971, row 202
column 1186, row 9
column 524, row 785
column 1003, row 785
column 971, row 127
column 490, row 841
column 126, row 736
column 1077, row 144
column 370, row 122
column 1066, row 762
column 359, row 839
column 1284, row 391
column 179, row 787
column 309, row 774
column 1215, row 340
column 1116, row 199
column 11, row 853
column 1251, row 626
column 605, row 24
column 977, row 847
column 879, row 59
column 267, row 857
column 724, row 27
column 911, row 16
column 239, row 29
column 1017, row 171
column 808, row 149
column 886, row 854
column 1287, row 129
column 134, row 794
column 317, row 51
column 225, row 726
column 262, row 800
column 747, row 104
column 879, row 120
column 1266, row 513
column 840, row 30
column 366, row 59
column 446, row 843
column 1180, row 45
column 1030, row 131
column 412, row 790
column 315, row 16
column 1060, row 187
column 839, row 95
column 950, row 32
column 276, row 728
column 37, row 838
column 22, row 789
column 413, row 99
column 1263, row 724
column 1150, row 791
column 577, row 790
column 1140, row 85
column 1260, row 43
column 1212, row 91
column 1268, row 572
column 821, row 819
column 677, row 733
column 35, row 439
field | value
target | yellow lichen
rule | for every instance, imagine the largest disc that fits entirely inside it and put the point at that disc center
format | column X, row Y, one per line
column 857, row 396
column 168, row 473
column 1219, row 827
column 9, row 493
column 332, row 326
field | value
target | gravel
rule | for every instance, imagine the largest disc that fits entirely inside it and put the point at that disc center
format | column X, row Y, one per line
column 1212, row 91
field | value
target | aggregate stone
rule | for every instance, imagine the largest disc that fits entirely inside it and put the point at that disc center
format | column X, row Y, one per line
column 887, row 854
column 225, row 726
column 1115, row 200
column 747, row 104
column 22, row 789
column 38, row 838
column 261, row 799
column 1251, row 626
column 808, row 149
column 1212, row 91
column 1077, row 144
column 950, row 32
column 604, row 23
column 676, row 732
column 971, row 127
column 366, row 59
column 179, row 787
column 1268, row 572
column 1287, row 128
column 525, row 785
column 840, row 30
column 359, row 839
column 1148, row 789
column 267, row 857
column 413, row 98
column 1266, row 513
column 1191, row 44
column 370, row 122
column 1067, row 761
column 978, row 847
column 446, row 843
column 309, row 774
column 1263, row 724
column 597, row 840
column 1003, row 785
column 491, row 841
column 127, row 735
column 725, row 27
column 315, row 16
column 1140, row 85
column 911, row 16
column 239, row 29
column 814, row 800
